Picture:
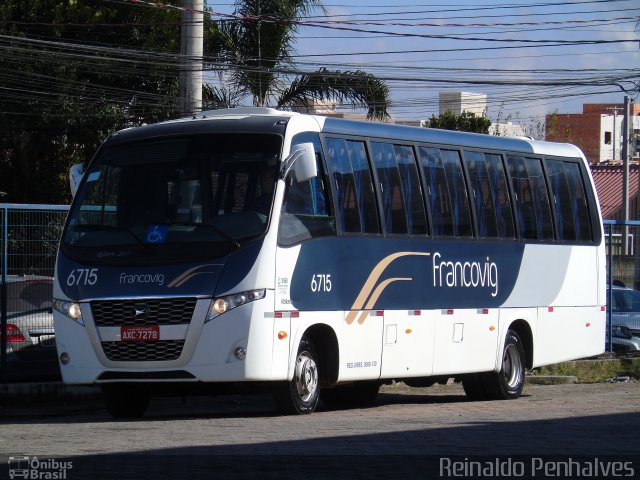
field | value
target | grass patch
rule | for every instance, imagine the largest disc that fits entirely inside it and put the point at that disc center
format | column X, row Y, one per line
column 594, row 371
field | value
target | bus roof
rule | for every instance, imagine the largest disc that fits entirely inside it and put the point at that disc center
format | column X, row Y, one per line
column 254, row 119
column 447, row 137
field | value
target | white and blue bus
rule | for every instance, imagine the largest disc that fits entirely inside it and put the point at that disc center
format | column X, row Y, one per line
column 322, row 258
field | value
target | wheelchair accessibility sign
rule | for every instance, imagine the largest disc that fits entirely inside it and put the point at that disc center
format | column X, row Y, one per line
column 156, row 234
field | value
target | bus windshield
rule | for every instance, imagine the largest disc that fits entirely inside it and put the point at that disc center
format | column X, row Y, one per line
column 160, row 197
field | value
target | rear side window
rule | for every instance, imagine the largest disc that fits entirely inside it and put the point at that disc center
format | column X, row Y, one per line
column 533, row 210
column 356, row 209
column 446, row 192
column 579, row 202
column 570, row 202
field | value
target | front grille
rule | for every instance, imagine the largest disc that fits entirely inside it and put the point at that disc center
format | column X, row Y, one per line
column 160, row 311
column 143, row 351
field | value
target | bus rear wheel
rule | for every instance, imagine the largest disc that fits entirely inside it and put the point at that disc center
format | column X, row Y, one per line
column 507, row 384
column 300, row 395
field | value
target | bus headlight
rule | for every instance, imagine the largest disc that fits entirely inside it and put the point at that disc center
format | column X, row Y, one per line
column 69, row 309
column 221, row 305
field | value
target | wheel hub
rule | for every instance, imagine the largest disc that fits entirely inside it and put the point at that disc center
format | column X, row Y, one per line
column 306, row 376
column 512, row 366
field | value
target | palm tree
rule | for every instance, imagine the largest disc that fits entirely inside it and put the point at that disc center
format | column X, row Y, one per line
column 255, row 53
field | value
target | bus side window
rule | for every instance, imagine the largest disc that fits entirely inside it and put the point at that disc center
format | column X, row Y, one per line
column 305, row 210
column 525, row 208
column 533, row 210
column 446, row 192
column 384, row 159
column 351, row 177
column 413, row 197
column 491, row 195
column 500, row 190
column 483, row 194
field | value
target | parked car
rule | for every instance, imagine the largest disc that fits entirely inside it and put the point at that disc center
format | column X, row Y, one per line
column 30, row 349
column 625, row 319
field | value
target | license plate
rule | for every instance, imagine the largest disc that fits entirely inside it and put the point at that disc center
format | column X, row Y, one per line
column 140, row 333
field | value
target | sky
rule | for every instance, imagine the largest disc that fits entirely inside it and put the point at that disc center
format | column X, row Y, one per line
column 515, row 52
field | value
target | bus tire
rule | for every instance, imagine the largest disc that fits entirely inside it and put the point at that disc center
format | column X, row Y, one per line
column 300, row 395
column 358, row 394
column 125, row 400
column 473, row 384
column 507, row 384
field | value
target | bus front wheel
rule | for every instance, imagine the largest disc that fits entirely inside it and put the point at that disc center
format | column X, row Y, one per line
column 125, row 400
column 300, row 395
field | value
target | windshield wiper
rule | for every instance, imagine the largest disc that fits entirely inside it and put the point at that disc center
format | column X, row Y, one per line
column 209, row 226
column 93, row 227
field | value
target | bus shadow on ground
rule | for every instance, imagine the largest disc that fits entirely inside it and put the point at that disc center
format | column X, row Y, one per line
column 414, row 452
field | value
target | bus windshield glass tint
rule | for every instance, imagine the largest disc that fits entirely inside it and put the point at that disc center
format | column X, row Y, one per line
column 169, row 193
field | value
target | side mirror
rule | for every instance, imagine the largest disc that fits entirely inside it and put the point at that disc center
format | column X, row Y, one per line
column 75, row 175
column 303, row 160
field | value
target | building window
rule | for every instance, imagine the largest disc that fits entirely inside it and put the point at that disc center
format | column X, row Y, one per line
column 607, row 138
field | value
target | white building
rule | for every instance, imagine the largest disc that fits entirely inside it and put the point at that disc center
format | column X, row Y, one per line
column 458, row 102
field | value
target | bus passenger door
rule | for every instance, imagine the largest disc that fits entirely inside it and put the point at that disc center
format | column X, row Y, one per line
column 407, row 344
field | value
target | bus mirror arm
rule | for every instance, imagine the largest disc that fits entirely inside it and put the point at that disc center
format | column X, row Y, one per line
column 75, row 175
column 303, row 160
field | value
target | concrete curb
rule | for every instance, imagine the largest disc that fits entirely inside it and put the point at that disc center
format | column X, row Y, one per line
column 550, row 379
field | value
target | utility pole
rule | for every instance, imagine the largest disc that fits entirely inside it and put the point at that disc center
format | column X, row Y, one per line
column 191, row 49
column 625, row 165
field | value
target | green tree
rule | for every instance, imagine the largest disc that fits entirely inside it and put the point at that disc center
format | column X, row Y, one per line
column 71, row 73
column 465, row 122
column 74, row 71
column 256, row 51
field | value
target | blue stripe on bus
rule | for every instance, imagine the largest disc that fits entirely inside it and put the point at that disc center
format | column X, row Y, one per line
column 372, row 273
column 204, row 278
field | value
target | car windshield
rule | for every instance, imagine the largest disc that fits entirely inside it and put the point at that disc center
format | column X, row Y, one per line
column 625, row 300
column 159, row 197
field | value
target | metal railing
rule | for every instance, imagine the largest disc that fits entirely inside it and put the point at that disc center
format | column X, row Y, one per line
column 623, row 282
column 29, row 236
